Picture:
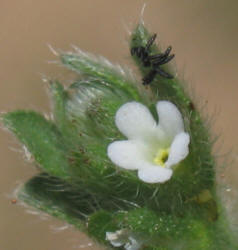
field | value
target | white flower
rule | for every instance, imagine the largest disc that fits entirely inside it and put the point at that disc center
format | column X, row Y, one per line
column 123, row 238
column 151, row 148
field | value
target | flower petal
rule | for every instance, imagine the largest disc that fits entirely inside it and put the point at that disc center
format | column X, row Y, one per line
column 170, row 119
column 118, row 238
column 123, row 237
column 133, row 244
column 134, row 120
column 179, row 149
column 127, row 154
column 155, row 174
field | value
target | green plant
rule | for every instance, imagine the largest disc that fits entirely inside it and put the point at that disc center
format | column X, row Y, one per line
column 79, row 183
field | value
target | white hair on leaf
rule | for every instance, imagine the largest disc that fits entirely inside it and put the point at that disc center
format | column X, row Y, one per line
column 124, row 72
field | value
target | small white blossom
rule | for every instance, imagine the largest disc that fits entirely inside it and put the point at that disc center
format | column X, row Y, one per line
column 151, row 148
column 123, row 238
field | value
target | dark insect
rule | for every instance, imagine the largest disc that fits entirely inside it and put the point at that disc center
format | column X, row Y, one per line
column 153, row 61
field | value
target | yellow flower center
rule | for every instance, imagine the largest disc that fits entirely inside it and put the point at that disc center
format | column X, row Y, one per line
column 161, row 157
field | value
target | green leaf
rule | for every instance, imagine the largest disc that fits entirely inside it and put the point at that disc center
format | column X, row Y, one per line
column 41, row 138
column 59, row 98
column 55, row 197
column 100, row 223
column 101, row 69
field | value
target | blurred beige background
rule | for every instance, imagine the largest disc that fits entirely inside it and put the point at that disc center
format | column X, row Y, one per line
column 204, row 36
